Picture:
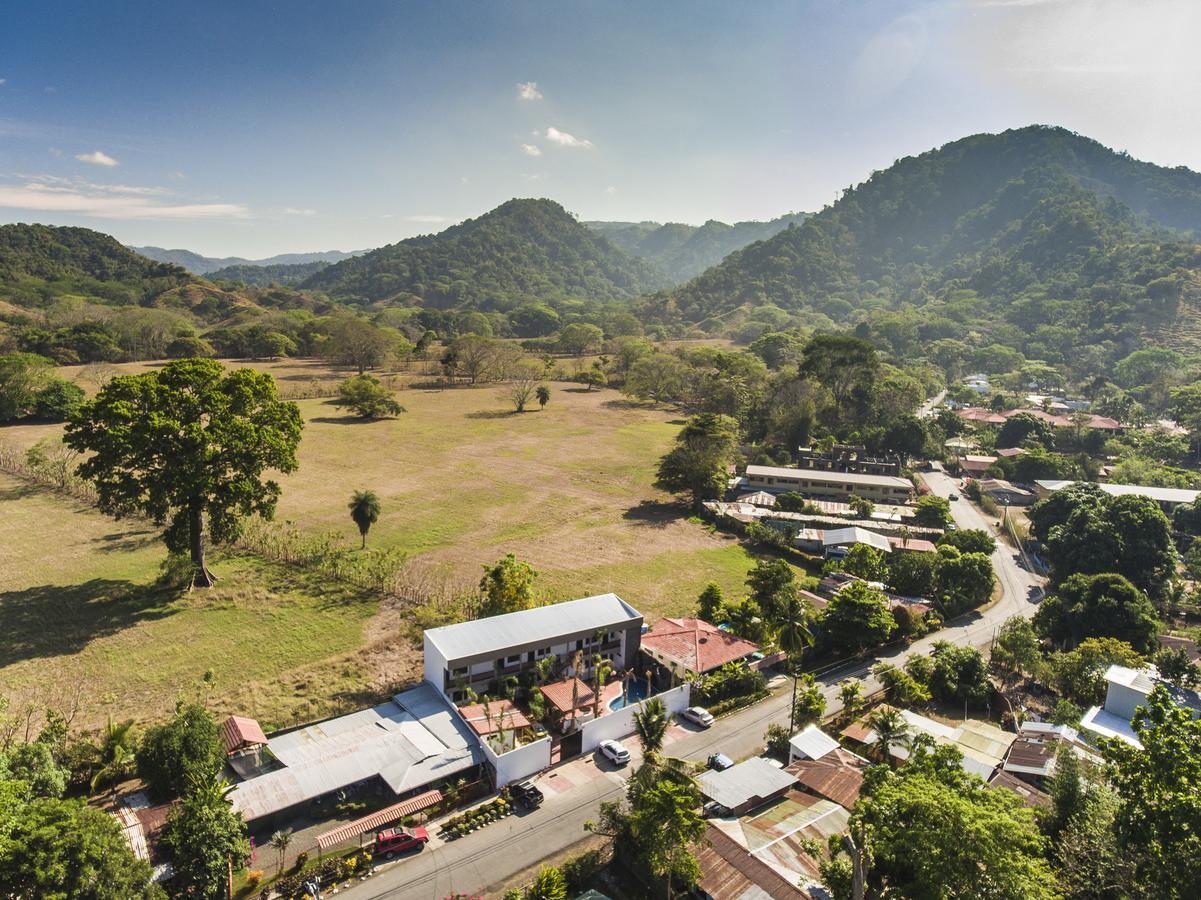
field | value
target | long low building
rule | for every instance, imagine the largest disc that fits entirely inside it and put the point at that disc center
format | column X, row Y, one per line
column 1168, row 498
column 413, row 741
column 830, row 485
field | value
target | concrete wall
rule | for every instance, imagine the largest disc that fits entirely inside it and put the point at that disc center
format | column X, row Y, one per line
column 520, row 763
column 435, row 668
column 621, row 723
column 1122, row 701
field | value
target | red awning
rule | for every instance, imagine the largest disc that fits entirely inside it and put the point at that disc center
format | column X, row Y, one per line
column 378, row 819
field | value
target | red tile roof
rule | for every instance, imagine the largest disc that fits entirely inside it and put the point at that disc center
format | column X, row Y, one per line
column 837, row 776
column 498, row 715
column 695, row 644
column 558, row 695
column 239, row 732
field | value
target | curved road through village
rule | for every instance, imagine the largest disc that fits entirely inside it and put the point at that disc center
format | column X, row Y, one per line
column 483, row 860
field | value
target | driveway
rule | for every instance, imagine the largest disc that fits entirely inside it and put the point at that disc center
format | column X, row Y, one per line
column 488, row 857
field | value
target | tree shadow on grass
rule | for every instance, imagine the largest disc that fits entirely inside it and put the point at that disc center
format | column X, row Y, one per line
column 348, row 420
column 655, row 514
column 125, row 541
column 625, row 403
column 58, row 620
column 493, row 414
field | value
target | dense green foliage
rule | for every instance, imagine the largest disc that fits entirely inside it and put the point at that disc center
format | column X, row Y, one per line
column 1043, row 240
column 684, row 251
column 185, row 747
column 188, row 445
column 522, row 252
column 368, row 397
column 267, row 276
column 1105, row 605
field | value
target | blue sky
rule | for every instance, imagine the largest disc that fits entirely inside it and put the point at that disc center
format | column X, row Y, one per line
column 252, row 128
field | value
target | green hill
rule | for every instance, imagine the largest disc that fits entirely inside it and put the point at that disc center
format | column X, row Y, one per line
column 684, row 251
column 198, row 264
column 522, row 251
column 1037, row 238
column 255, row 275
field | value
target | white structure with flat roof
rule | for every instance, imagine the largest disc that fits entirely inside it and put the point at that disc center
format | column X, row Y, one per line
column 810, row 743
column 1126, row 690
column 849, row 537
column 1164, row 496
column 830, row 485
column 474, row 654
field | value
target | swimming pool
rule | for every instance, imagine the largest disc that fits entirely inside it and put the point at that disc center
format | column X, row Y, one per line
column 635, row 692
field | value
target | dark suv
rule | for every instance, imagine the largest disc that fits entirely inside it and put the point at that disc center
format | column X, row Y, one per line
column 525, row 793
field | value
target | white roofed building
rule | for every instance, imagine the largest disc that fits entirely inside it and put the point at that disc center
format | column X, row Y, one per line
column 475, row 654
column 1127, row 689
column 824, row 485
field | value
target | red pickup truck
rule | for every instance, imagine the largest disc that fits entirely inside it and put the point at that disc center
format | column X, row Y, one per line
column 391, row 841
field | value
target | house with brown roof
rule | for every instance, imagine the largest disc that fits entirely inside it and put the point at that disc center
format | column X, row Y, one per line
column 689, row 646
column 836, row 775
column 730, row 872
column 570, row 699
column 975, row 465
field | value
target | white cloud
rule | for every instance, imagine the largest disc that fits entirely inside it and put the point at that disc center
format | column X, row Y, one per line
column 111, row 201
column 528, row 90
column 610, row 190
column 531, row 149
column 97, row 158
column 427, row 220
column 563, row 139
column 54, row 151
column 294, row 211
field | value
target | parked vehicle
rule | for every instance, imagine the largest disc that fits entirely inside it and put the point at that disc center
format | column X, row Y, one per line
column 714, row 810
column 952, row 496
column 720, row 762
column 391, row 841
column 616, row 753
column 526, row 793
column 698, row 715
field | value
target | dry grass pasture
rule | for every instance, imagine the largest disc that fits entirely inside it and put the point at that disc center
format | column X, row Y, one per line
column 462, row 480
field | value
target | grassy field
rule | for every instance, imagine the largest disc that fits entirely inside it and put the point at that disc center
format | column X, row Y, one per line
column 462, row 479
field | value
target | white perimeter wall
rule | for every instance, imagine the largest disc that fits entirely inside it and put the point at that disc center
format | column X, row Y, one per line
column 520, row 763
column 620, row 723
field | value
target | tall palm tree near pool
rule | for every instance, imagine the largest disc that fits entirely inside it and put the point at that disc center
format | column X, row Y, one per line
column 650, row 724
column 364, row 509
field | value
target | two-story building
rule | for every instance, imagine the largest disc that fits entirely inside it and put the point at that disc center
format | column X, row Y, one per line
column 481, row 653
column 1125, row 691
column 821, row 485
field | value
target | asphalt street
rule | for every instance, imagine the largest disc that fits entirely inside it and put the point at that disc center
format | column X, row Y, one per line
column 473, row 863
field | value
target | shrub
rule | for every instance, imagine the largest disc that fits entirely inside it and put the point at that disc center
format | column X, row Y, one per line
column 579, row 870
column 776, row 738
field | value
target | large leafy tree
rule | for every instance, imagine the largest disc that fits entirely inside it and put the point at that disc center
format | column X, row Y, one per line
column 66, row 850
column 696, row 465
column 1023, row 427
column 848, row 367
column 1105, row 605
column 857, row 617
column 188, row 445
column 965, row 580
column 933, row 832
column 1159, row 786
column 185, row 748
column 1080, row 674
column 506, row 587
column 368, row 397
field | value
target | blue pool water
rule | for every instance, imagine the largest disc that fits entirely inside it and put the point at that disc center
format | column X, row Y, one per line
column 635, row 691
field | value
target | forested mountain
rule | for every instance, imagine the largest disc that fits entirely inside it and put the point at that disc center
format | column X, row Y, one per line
column 255, row 275
column 522, row 251
column 684, row 251
column 1036, row 238
column 204, row 265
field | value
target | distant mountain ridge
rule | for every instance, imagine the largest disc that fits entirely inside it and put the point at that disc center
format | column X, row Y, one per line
column 524, row 251
column 1037, row 238
column 203, row 265
column 684, row 251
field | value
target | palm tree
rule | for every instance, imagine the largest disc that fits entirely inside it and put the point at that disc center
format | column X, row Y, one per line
column 577, row 660
column 892, row 730
column 794, row 636
column 650, row 724
column 364, row 509
column 116, row 753
column 543, row 395
column 601, row 670
column 280, row 841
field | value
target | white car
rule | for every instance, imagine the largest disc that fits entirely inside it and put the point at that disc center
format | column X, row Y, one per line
column 618, row 754
column 698, row 715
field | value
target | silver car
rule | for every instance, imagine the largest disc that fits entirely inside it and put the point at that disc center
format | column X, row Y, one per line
column 698, row 715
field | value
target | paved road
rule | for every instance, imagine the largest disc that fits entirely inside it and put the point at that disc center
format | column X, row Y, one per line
column 926, row 410
column 506, row 847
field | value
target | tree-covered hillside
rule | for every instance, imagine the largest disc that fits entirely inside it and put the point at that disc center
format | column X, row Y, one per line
column 684, row 251
column 38, row 261
column 522, row 251
column 254, row 275
column 1037, row 238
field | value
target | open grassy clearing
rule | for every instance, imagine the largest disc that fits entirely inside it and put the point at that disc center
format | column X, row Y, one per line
column 83, row 618
column 462, row 479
